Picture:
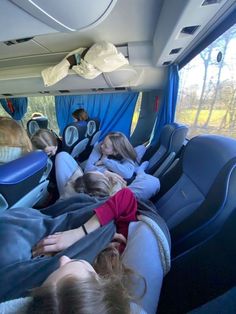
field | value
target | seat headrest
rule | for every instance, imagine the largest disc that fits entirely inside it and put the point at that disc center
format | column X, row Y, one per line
column 173, row 135
column 73, row 133
column 37, row 123
column 91, row 128
column 42, row 122
column 20, row 169
column 205, row 156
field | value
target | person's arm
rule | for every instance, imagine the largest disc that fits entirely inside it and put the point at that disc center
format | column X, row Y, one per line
column 144, row 186
column 125, row 168
column 60, row 241
column 121, row 207
column 93, row 158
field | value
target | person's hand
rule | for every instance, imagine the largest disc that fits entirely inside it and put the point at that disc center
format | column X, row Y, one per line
column 100, row 161
column 56, row 242
column 118, row 239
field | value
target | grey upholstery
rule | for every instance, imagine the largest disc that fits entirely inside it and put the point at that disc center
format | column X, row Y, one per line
column 201, row 192
column 171, row 140
column 200, row 210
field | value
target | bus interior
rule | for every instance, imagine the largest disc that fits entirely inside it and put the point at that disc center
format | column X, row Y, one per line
column 169, row 84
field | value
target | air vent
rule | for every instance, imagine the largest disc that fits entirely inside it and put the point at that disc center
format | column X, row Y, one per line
column 97, row 89
column 174, row 51
column 166, row 63
column 7, row 95
column 120, row 88
column 45, row 92
column 17, row 41
column 63, row 91
column 189, row 30
column 209, row 2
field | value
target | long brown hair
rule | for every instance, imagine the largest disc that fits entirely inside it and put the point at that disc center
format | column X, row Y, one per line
column 122, row 146
column 12, row 134
column 43, row 138
column 90, row 184
column 107, row 293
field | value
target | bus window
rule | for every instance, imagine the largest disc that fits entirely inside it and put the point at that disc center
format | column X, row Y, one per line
column 44, row 105
column 207, row 90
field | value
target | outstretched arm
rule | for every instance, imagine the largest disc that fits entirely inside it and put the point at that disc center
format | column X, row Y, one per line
column 121, row 208
column 60, row 241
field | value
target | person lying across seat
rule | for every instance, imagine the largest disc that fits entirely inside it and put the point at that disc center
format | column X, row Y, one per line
column 71, row 180
column 76, row 233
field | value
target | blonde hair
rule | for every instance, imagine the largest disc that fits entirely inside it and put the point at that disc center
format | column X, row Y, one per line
column 43, row 138
column 107, row 293
column 122, row 146
column 13, row 134
column 89, row 183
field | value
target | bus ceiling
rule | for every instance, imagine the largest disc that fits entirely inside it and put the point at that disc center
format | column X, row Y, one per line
column 150, row 34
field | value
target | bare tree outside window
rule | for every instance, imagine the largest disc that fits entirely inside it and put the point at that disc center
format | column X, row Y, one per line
column 207, row 93
column 44, row 105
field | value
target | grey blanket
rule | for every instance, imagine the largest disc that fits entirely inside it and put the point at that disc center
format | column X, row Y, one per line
column 22, row 228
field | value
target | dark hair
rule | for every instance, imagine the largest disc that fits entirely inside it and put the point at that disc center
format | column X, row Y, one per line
column 80, row 114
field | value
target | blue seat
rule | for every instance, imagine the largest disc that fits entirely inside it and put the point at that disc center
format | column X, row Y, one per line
column 35, row 124
column 74, row 140
column 161, row 156
column 93, row 134
column 200, row 211
column 23, row 181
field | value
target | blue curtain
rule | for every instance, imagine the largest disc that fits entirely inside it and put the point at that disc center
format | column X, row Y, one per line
column 166, row 113
column 115, row 111
column 16, row 107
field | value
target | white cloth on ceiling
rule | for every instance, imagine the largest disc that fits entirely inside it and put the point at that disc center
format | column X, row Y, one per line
column 101, row 57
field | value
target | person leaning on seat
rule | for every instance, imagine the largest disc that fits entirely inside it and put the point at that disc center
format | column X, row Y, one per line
column 51, row 144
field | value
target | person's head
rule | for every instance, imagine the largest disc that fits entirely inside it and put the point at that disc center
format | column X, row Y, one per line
column 45, row 140
column 13, row 136
column 77, row 287
column 117, row 144
column 80, row 115
column 94, row 184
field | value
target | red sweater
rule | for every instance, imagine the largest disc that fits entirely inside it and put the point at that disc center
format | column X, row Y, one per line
column 121, row 207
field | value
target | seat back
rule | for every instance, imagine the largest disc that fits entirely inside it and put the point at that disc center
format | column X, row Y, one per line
column 93, row 134
column 72, row 135
column 171, row 140
column 35, row 124
column 23, row 181
column 202, row 198
column 93, row 131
